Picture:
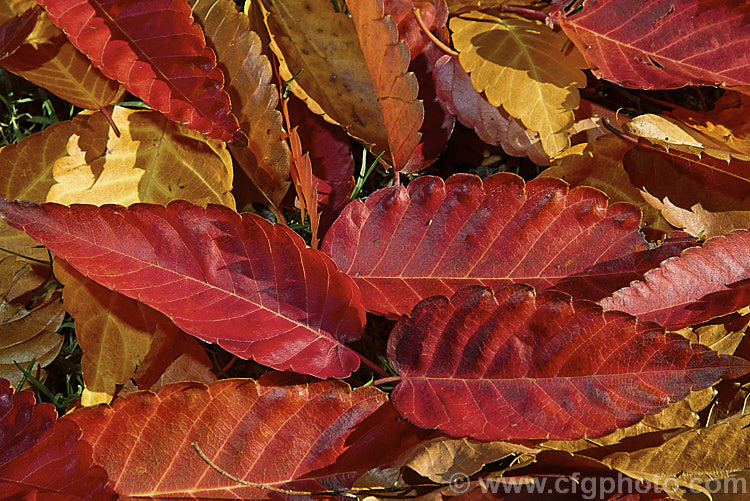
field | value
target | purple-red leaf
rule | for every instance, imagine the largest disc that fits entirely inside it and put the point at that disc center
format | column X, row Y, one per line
column 42, row 458
column 405, row 244
column 514, row 365
column 156, row 51
column 663, row 44
column 702, row 283
column 236, row 280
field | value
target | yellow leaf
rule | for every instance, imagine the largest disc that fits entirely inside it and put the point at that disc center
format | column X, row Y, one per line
column 154, row 160
column 26, row 174
column 26, row 334
column 690, row 458
column 114, row 332
column 525, row 67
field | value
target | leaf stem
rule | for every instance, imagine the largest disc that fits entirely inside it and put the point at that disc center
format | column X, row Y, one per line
column 526, row 12
column 435, row 40
column 264, row 487
column 377, row 370
column 386, row 380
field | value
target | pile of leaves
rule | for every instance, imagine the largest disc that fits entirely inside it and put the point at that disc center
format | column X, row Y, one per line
column 428, row 331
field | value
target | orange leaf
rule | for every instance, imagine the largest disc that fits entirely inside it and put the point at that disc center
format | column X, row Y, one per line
column 388, row 61
column 248, row 74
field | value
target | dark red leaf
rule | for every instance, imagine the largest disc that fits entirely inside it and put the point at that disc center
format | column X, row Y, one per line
column 42, row 458
column 14, row 31
column 663, row 44
column 145, row 44
column 274, row 432
column 405, row 244
column 236, row 280
column 702, row 283
column 519, row 366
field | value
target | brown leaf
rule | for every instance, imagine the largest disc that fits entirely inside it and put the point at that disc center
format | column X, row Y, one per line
column 333, row 82
column 26, row 335
column 254, row 97
column 691, row 458
column 599, row 164
column 440, row 459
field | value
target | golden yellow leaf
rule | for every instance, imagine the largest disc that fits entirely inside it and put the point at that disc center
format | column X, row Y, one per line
column 320, row 46
column 254, row 96
column 525, row 67
column 691, row 458
column 599, row 164
column 26, row 174
column 154, row 160
column 26, row 334
column 114, row 332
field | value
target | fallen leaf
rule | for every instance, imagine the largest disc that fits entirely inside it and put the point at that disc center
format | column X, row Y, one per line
column 26, row 170
column 599, row 164
column 702, row 283
column 334, row 83
column 60, row 68
column 691, row 458
column 41, row 457
column 290, row 307
column 664, row 45
column 441, row 459
column 513, row 365
column 260, row 432
column 153, row 160
column 114, row 332
column 136, row 44
column 396, row 89
column 28, row 336
column 696, row 220
column 402, row 245
column 254, row 97
column 523, row 66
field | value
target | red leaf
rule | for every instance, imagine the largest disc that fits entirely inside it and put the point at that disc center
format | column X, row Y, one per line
column 268, row 432
column 40, row 457
column 520, row 366
column 14, row 31
column 701, row 284
column 664, row 44
column 236, row 280
column 144, row 44
column 405, row 244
